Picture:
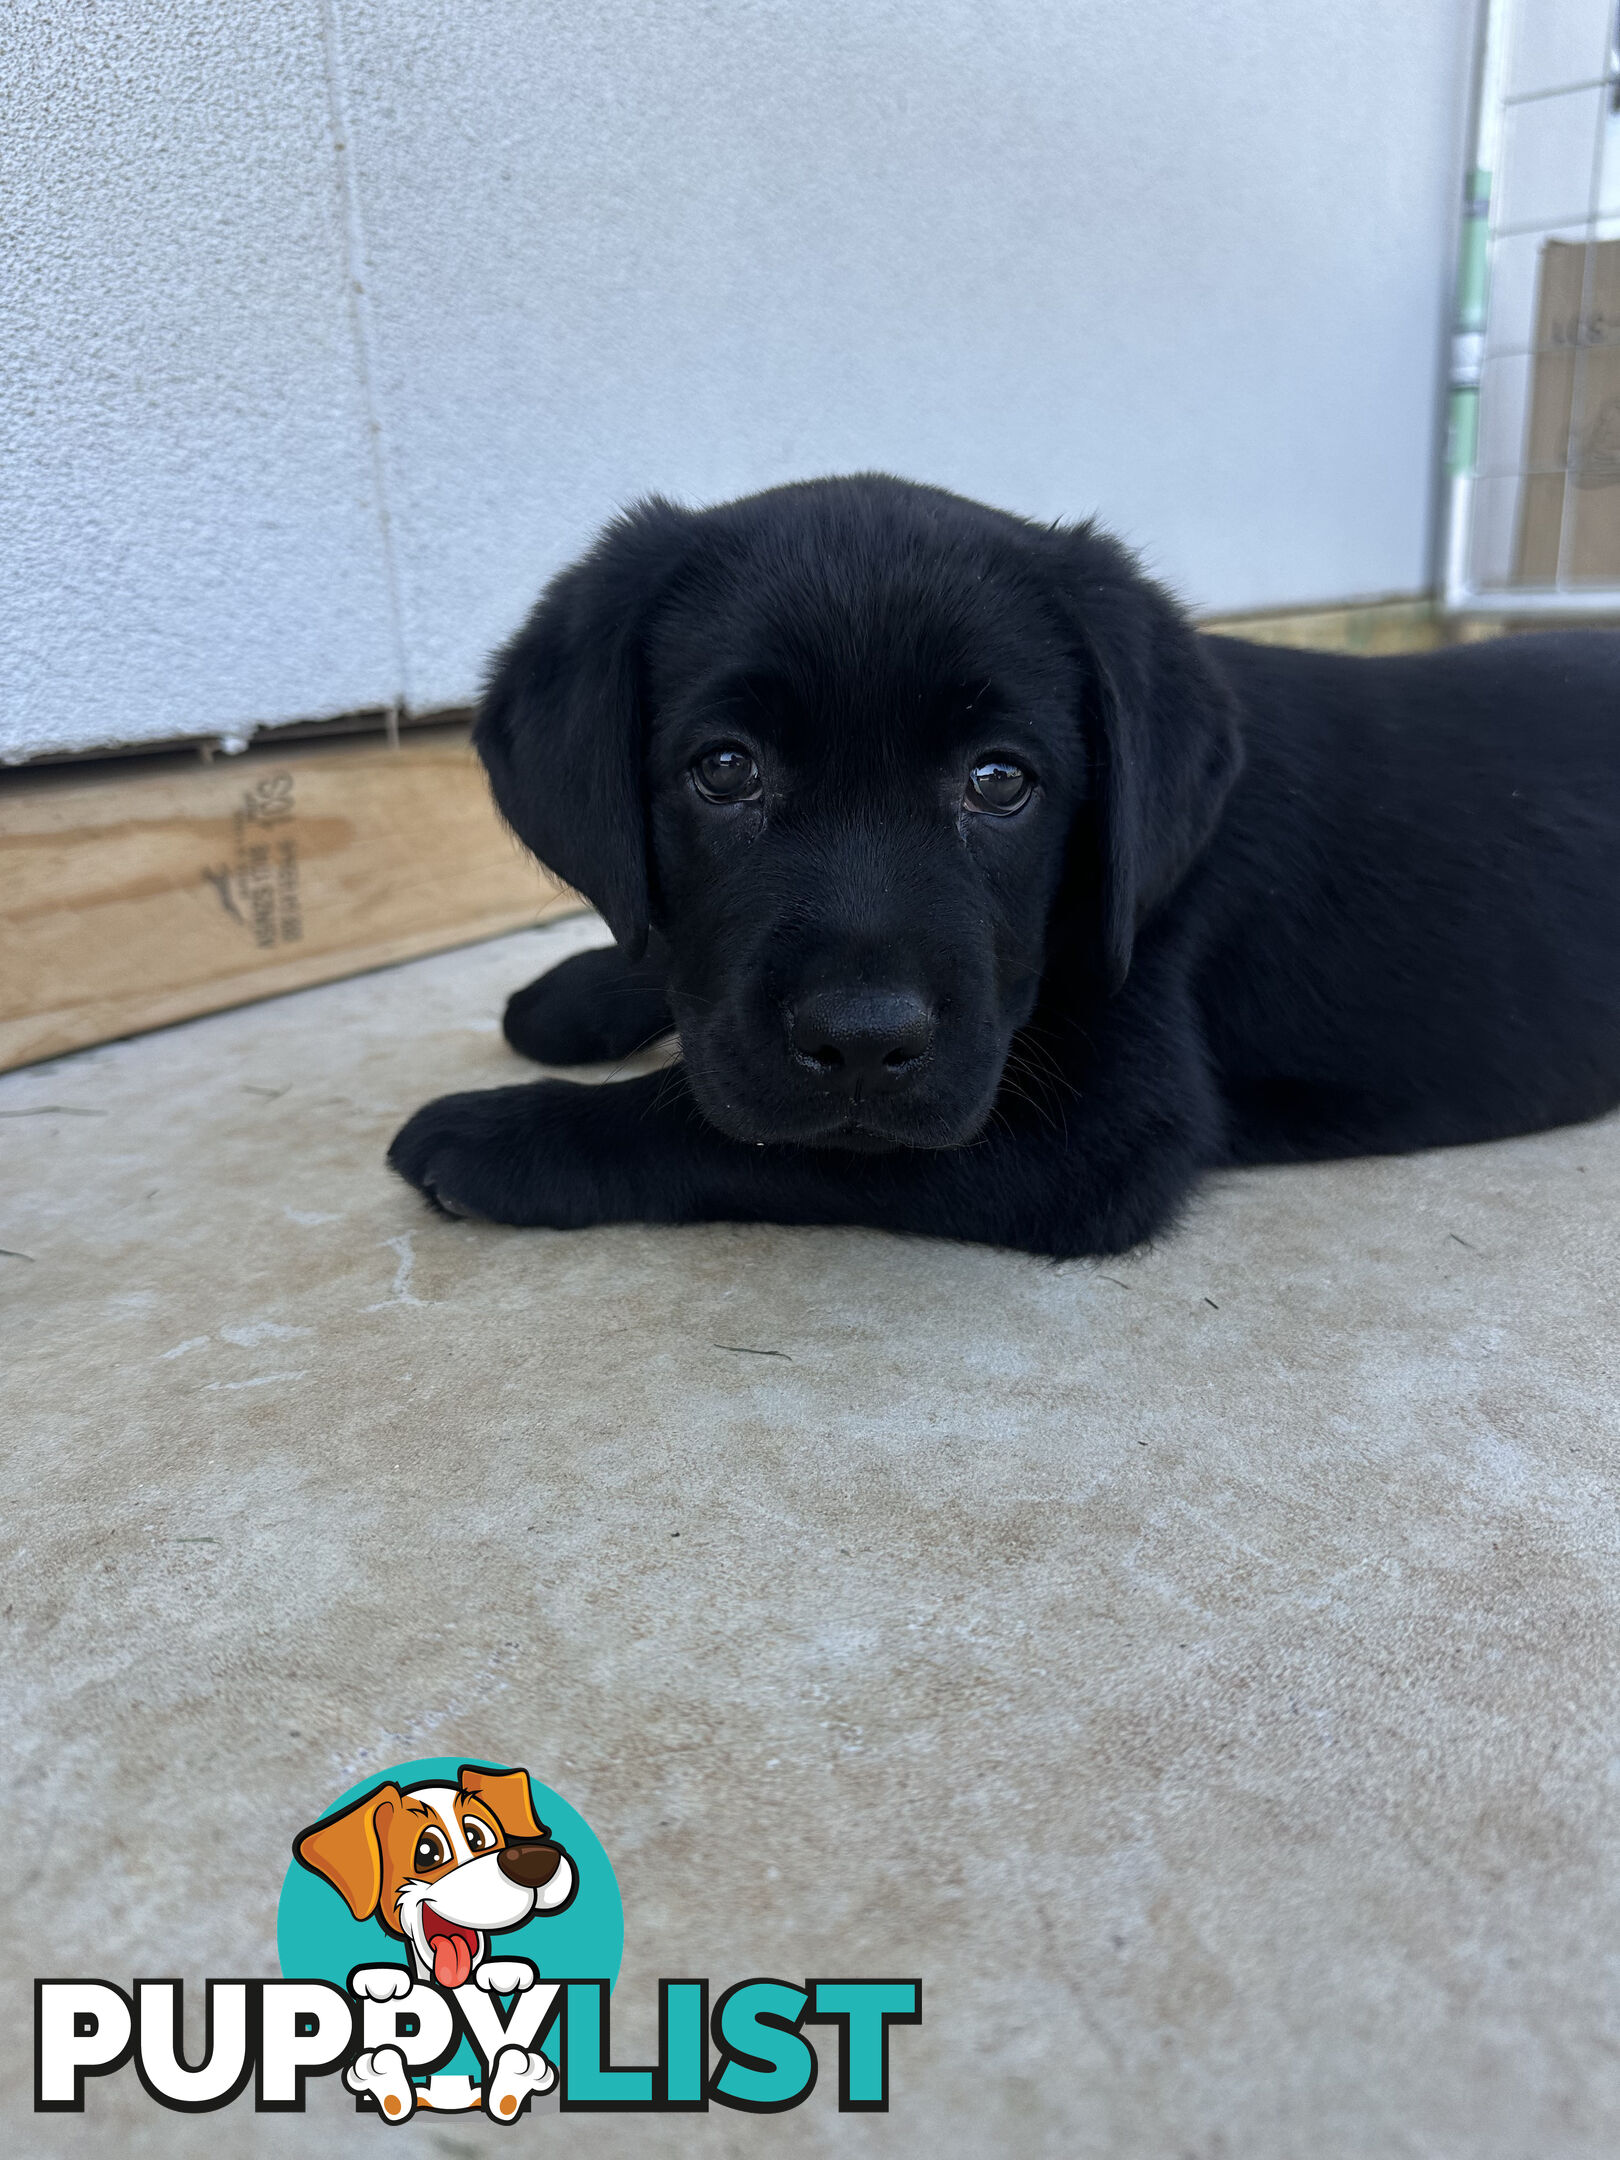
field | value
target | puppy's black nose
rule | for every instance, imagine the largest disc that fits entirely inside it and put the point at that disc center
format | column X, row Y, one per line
column 872, row 1041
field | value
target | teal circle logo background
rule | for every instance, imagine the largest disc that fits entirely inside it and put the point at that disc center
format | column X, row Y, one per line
column 318, row 1938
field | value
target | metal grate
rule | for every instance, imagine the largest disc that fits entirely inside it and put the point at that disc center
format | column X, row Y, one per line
column 1532, row 451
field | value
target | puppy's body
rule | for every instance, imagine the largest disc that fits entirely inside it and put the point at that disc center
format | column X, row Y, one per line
column 1410, row 920
column 1253, row 904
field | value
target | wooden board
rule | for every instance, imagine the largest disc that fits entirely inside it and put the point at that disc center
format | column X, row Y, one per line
column 141, row 892
column 1371, row 626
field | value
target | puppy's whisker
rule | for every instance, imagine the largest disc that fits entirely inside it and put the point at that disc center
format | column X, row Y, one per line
column 667, row 1089
column 1048, row 1093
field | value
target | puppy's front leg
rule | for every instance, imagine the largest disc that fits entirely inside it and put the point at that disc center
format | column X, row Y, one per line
column 1096, row 1179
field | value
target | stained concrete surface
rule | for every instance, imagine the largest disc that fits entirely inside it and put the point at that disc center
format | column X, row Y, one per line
column 1200, row 1668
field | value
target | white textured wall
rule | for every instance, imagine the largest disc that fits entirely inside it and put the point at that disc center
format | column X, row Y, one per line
column 1180, row 264
column 188, row 533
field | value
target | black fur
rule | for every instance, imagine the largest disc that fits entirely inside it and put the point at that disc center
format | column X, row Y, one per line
column 1261, row 905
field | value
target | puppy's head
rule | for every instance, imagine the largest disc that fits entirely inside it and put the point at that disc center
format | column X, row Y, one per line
column 443, row 1866
column 841, row 746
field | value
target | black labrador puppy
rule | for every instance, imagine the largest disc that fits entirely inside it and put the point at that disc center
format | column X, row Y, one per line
column 991, row 900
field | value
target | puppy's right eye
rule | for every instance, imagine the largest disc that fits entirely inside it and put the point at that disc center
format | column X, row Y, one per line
column 726, row 775
column 431, row 1852
column 998, row 785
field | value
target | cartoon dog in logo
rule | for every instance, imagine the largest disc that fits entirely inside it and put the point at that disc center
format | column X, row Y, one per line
column 444, row 1868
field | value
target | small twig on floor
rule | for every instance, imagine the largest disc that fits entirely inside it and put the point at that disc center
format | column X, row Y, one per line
column 738, row 1349
column 54, row 1109
column 1461, row 1241
column 10, row 1252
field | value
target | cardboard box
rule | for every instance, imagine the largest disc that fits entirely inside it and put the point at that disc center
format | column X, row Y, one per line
column 1569, row 508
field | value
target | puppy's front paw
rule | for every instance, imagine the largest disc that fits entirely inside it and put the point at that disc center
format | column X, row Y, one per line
column 595, row 1008
column 510, row 1155
column 381, row 1983
column 505, row 1976
column 428, row 1152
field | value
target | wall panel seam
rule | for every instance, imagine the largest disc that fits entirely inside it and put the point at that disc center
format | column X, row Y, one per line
column 356, row 268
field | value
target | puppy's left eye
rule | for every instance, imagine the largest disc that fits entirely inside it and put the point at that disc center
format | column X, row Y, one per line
column 726, row 775
column 478, row 1838
column 431, row 1852
column 999, row 786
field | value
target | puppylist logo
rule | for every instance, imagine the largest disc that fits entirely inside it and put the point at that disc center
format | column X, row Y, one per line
column 449, row 1937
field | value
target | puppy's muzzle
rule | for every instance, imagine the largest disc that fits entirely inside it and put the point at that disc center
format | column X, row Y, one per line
column 531, row 1862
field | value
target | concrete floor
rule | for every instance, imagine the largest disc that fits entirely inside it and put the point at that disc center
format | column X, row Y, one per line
column 1201, row 1669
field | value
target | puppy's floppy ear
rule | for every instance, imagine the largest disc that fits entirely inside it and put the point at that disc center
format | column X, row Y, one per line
column 506, row 1794
column 560, row 729
column 347, row 1850
column 1163, row 724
